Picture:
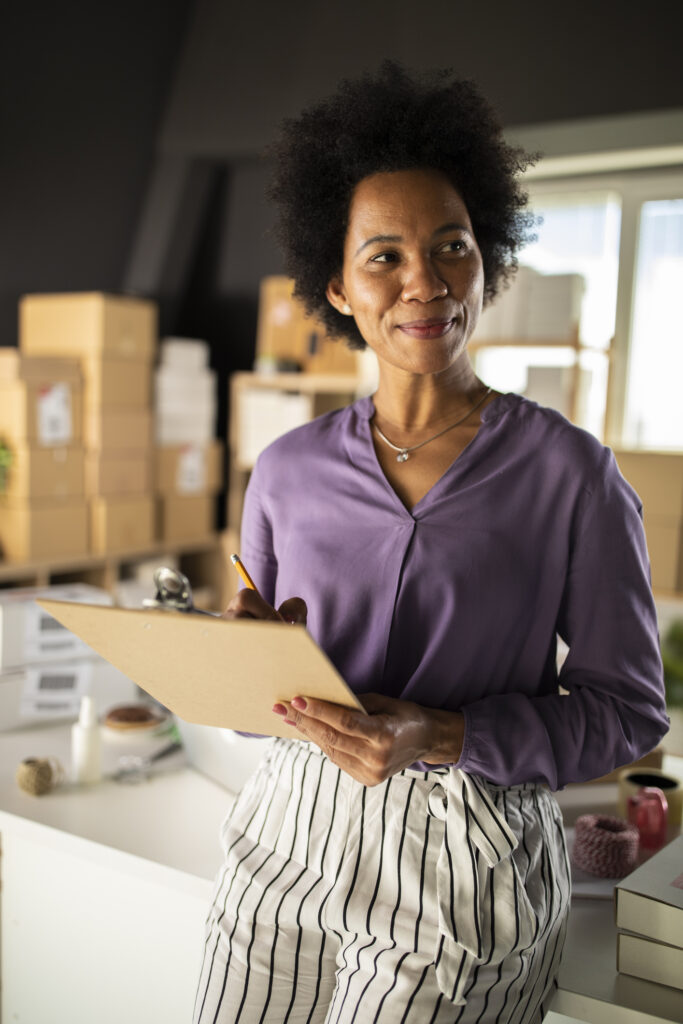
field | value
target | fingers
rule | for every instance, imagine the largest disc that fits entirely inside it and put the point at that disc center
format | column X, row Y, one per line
column 294, row 610
column 343, row 720
column 248, row 604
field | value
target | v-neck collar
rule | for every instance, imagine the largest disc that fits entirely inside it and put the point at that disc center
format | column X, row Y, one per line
column 365, row 409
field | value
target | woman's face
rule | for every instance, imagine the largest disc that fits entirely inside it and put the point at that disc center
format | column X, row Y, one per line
column 412, row 271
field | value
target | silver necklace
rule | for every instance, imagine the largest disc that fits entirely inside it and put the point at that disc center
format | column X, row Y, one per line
column 404, row 453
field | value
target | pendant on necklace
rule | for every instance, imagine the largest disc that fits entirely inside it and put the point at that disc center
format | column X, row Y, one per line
column 402, row 456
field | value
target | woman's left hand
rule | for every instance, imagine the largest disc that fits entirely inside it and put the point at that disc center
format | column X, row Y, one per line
column 372, row 747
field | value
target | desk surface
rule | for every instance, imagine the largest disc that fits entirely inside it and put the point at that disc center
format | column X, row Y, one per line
column 168, row 827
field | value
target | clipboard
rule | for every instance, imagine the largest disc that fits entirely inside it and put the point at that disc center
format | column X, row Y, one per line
column 208, row 670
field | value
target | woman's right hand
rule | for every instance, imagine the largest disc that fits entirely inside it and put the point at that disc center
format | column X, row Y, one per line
column 248, row 604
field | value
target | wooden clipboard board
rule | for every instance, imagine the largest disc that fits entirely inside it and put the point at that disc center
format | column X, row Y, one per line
column 208, row 670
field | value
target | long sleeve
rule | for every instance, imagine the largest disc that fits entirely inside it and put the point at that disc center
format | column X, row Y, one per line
column 614, row 711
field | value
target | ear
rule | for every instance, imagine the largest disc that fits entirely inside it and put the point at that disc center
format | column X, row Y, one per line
column 336, row 295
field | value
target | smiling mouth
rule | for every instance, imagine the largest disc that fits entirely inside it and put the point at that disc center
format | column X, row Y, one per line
column 432, row 328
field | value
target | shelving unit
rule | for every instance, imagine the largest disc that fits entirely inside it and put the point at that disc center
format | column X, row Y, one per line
column 327, row 392
column 203, row 562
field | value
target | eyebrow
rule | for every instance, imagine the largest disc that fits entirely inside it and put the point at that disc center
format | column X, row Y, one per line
column 443, row 230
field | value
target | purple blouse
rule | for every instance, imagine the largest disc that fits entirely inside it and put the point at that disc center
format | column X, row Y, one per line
column 531, row 532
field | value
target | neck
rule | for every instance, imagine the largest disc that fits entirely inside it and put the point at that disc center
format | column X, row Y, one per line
column 414, row 402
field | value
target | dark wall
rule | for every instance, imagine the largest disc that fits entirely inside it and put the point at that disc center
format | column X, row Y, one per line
column 82, row 91
column 245, row 66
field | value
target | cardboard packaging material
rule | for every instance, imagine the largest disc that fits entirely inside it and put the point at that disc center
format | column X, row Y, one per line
column 118, row 524
column 286, row 334
column 185, row 518
column 87, row 324
column 45, row 473
column 29, row 636
column 657, row 477
column 178, row 426
column 116, row 384
column 117, row 474
column 189, row 469
column 118, row 430
column 40, row 400
column 42, row 529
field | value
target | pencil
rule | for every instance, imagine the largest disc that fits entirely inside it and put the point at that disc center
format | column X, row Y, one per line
column 246, row 578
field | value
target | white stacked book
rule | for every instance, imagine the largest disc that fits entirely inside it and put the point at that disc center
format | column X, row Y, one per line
column 45, row 669
column 649, row 916
column 185, row 393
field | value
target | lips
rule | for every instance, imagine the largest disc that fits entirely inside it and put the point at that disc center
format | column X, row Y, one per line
column 435, row 327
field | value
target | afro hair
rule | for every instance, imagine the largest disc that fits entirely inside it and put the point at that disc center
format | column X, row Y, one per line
column 390, row 121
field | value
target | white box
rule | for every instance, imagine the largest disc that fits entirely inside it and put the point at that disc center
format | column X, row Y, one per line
column 506, row 319
column 29, row 636
column 198, row 427
column 187, row 390
column 264, row 416
column 554, row 306
column 185, row 353
column 52, row 691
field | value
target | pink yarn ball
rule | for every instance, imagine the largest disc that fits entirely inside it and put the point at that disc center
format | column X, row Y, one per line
column 604, row 846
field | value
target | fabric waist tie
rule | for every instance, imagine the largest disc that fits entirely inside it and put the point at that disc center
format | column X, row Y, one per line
column 484, row 913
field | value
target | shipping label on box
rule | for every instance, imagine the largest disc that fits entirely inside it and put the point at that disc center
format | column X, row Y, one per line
column 53, row 408
column 189, row 469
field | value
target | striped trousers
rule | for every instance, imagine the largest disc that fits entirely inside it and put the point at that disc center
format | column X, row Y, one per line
column 433, row 897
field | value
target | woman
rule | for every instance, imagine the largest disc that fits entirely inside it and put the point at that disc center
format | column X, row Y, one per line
column 409, row 864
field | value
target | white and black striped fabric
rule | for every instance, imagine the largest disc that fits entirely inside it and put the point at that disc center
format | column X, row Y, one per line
column 434, row 897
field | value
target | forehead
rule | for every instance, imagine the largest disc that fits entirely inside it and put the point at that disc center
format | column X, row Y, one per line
column 398, row 201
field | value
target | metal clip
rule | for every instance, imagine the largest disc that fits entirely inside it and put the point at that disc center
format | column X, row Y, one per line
column 174, row 592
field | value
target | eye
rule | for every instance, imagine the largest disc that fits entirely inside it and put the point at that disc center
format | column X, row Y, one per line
column 454, row 245
column 384, row 257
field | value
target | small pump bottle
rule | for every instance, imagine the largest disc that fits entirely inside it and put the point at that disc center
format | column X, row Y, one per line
column 86, row 755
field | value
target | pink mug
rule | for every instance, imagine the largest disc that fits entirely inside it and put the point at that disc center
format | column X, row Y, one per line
column 648, row 811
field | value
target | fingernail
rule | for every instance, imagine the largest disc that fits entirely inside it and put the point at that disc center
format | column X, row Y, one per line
column 299, row 703
column 279, row 709
column 288, row 721
column 290, row 619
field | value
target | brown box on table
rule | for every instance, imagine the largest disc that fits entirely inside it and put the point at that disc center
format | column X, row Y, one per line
column 40, row 529
column 118, row 524
column 40, row 400
column 187, row 469
column 665, row 547
column 117, row 474
column 44, row 473
column 285, row 332
column 88, row 324
column 185, row 518
column 118, row 430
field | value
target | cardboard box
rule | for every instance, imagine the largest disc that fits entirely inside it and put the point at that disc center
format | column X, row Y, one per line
column 664, row 536
column 119, row 524
column 41, row 529
column 117, row 474
column 87, row 324
column 118, row 430
column 188, row 469
column 29, row 636
column 116, row 383
column 286, row 333
column 40, row 399
column 45, row 473
column 185, row 518
column 657, row 477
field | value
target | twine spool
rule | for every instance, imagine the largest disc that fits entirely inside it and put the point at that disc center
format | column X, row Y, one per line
column 38, row 775
column 604, row 846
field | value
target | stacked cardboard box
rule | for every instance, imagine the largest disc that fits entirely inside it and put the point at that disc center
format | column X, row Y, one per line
column 288, row 339
column 42, row 505
column 649, row 916
column 45, row 669
column 115, row 340
column 658, row 479
column 188, row 471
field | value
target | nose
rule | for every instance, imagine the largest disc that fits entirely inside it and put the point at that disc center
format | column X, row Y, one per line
column 422, row 283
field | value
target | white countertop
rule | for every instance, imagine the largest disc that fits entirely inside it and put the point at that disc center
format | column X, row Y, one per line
column 167, row 829
column 167, row 825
